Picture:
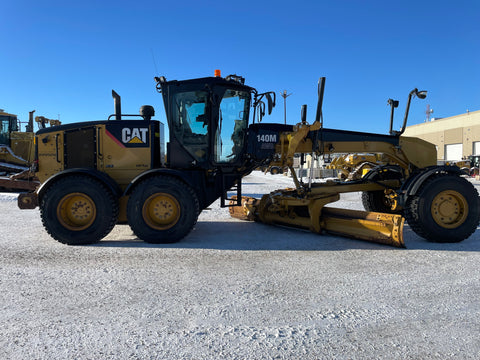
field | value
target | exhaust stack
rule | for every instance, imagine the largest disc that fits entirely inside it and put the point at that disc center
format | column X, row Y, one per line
column 118, row 105
column 29, row 127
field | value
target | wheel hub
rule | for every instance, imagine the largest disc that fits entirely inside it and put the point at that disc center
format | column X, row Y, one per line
column 161, row 211
column 76, row 211
column 449, row 209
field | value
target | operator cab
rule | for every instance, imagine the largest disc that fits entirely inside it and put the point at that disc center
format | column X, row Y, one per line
column 8, row 123
column 208, row 120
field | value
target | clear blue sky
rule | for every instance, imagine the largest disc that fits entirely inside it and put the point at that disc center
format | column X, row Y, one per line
column 64, row 57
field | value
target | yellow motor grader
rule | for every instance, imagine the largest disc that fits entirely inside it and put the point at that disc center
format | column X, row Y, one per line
column 99, row 173
column 17, row 151
column 354, row 166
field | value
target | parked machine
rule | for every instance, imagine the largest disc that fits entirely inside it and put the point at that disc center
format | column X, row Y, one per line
column 17, row 151
column 16, row 154
column 354, row 166
column 99, row 173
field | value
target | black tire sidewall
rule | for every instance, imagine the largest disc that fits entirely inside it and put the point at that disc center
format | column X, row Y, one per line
column 434, row 231
column 187, row 201
column 374, row 201
column 106, row 210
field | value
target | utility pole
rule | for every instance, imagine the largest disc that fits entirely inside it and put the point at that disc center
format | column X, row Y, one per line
column 429, row 112
column 284, row 95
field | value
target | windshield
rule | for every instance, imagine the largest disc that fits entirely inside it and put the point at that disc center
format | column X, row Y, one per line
column 5, row 130
column 233, row 122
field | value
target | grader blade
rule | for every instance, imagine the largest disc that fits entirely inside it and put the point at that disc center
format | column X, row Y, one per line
column 369, row 226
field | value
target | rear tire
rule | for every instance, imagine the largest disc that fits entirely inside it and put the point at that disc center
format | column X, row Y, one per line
column 377, row 201
column 162, row 210
column 445, row 209
column 78, row 210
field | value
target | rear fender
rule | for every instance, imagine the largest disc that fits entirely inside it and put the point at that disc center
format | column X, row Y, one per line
column 98, row 175
column 182, row 175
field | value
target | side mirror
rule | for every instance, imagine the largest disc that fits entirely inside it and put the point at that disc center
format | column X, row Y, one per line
column 421, row 94
column 270, row 101
column 393, row 103
column 259, row 105
column 262, row 109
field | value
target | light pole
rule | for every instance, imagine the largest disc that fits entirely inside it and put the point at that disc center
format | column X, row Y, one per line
column 285, row 95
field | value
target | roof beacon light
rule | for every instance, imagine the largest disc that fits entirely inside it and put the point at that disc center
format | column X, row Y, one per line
column 218, row 73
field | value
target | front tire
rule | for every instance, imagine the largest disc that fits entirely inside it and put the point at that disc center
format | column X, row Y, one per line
column 78, row 210
column 445, row 209
column 162, row 210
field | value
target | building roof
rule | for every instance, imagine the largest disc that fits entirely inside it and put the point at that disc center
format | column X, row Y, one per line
column 467, row 119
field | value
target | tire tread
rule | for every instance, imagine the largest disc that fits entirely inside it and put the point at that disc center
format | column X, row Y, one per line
column 423, row 227
column 108, row 223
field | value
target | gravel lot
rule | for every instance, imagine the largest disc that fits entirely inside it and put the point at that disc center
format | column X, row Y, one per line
column 235, row 290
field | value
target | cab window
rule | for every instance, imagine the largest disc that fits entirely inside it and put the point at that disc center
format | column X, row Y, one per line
column 232, row 125
column 190, row 122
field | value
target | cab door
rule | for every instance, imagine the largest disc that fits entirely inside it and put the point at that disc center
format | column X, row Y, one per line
column 230, row 134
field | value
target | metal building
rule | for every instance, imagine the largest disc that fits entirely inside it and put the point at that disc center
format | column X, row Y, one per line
column 455, row 137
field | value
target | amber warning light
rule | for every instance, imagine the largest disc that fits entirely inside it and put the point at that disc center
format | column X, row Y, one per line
column 218, row 73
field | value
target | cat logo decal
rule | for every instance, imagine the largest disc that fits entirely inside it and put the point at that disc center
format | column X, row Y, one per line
column 129, row 136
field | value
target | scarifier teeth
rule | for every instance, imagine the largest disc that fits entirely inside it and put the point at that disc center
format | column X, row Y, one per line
column 244, row 212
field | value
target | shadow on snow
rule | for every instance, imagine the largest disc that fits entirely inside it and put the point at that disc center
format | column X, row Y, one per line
column 244, row 235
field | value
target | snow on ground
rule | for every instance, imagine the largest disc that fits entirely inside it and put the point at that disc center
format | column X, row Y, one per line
column 8, row 197
column 259, row 183
column 235, row 290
